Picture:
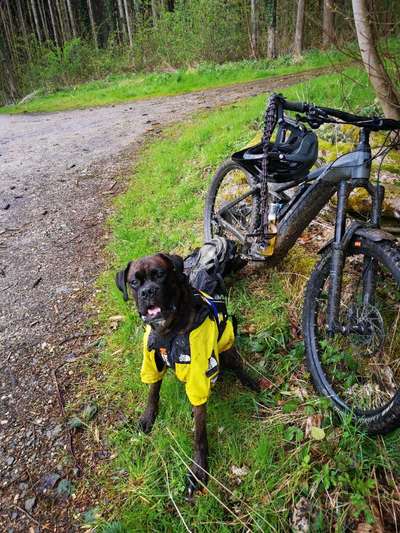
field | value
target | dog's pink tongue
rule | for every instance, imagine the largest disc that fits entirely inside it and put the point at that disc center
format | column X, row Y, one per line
column 153, row 311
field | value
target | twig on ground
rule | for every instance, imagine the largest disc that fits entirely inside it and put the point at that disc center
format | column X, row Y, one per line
column 170, row 494
column 62, row 408
column 78, row 336
column 28, row 515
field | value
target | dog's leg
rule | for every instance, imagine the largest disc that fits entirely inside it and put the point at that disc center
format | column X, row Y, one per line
column 198, row 470
column 146, row 421
column 231, row 360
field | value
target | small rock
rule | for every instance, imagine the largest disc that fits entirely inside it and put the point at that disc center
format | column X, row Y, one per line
column 72, row 166
column 52, row 433
column 10, row 460
column 29, row 504
column 48, row 481
column 6, row 206
column 71, row 357
column 14, row 515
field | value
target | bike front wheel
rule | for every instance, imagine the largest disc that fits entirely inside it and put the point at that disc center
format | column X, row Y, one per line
column 231, row 209
column 358, row 365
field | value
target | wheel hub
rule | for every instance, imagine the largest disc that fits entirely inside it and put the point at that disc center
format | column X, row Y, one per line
column 365, row 327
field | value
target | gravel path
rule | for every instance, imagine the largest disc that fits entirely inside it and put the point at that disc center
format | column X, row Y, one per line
column 57, row 177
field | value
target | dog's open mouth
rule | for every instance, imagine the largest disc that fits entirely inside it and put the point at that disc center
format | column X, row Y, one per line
column 152, row 313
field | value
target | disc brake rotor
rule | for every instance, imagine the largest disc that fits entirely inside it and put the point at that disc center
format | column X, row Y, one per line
column 366, row 327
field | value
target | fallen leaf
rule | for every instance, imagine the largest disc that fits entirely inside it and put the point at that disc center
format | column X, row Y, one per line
column 317, row 433
column 265, row 384
column 116, row 318
column 364, row 528
column 239, row 471
column 249, row 328
column 312, row 421
column 300, row 517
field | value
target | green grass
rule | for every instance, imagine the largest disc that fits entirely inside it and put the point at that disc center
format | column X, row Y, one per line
column 122, row 88
column 346, row 477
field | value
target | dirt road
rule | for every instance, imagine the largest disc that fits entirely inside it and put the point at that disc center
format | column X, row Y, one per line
column 57, row 177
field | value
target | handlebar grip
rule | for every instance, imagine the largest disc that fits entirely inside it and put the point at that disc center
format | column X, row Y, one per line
column 299, row 107
column 388, row 124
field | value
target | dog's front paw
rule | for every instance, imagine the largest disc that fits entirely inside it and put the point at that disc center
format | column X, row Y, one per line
column 196, row 481
column 146, row 421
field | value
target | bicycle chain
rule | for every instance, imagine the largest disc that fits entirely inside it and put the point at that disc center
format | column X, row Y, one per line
column 270, row 120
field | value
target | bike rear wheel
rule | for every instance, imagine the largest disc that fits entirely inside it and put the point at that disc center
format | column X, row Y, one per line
column 358, row 367
column 231, row 208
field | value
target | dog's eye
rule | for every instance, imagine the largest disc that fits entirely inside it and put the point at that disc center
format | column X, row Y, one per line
column 157, row 274
column 135, row 283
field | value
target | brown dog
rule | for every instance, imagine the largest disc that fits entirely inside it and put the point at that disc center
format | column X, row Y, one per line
column 187, row 331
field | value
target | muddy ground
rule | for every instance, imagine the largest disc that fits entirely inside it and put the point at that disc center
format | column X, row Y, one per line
column 58, row 175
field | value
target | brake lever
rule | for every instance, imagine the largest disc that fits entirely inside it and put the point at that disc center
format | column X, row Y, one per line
column 314, row 122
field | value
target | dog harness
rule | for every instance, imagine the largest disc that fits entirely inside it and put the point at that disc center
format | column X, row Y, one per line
column 193, row 355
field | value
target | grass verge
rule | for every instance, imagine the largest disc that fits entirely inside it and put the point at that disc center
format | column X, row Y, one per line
column 267, row 469
column 122, row 88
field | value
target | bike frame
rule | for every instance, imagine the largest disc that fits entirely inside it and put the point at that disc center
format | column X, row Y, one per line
column 342, row 176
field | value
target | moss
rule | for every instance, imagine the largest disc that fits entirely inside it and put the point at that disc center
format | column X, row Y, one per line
column 360, row 202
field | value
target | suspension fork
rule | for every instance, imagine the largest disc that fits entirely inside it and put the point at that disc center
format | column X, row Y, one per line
column 369, row 267
column 337, row 261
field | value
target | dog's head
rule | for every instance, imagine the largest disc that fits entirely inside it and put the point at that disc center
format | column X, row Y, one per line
column 156, row 283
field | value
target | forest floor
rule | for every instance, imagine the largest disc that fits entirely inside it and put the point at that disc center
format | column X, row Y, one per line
column 59, row 173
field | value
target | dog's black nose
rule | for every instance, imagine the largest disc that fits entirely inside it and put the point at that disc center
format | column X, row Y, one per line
column 148, row 291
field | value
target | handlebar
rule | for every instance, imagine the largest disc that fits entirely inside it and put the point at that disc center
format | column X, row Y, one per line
column 322, row 114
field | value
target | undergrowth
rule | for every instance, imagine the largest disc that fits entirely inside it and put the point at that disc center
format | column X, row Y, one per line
column 115, row 88
column 334, row 479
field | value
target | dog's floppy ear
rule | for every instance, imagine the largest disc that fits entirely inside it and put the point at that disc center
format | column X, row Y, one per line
column 121, row 280
column 176, row 260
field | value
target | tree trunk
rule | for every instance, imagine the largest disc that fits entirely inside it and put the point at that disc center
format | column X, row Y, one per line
column 298, row 37
column 271, row 37
column 379, row 78
column 23, row 27
column 44, row 20
column 128, row 24
column 61, row 21
column 254, row 29
column 65, row 19
column 53, row 23
column 8, row 38
column 328, row 30
column 36, row 18
column 154, row 12
column 122, row 21
column 71, row 18
column 92, row 24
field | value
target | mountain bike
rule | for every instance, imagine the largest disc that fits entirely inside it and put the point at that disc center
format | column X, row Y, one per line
column 266, row 195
